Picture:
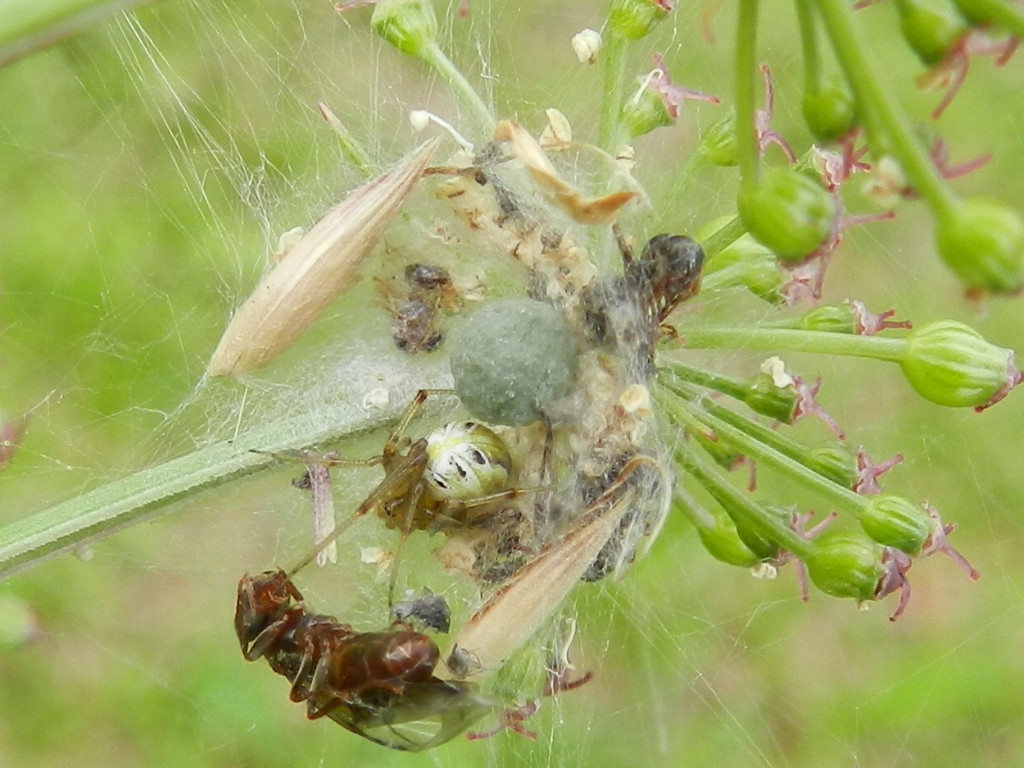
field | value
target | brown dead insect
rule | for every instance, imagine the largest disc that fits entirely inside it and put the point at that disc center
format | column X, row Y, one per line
column 378, row 685
column 630, row 312
column 414, row 313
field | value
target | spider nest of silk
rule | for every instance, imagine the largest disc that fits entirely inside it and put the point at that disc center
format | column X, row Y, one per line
column 558, row 478
column 565, row 369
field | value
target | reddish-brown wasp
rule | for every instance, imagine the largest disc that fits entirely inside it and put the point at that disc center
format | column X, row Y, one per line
column 379, row 685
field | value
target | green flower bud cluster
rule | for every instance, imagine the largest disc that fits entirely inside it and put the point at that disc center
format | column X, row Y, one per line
column 981, row 240
column 868, row 564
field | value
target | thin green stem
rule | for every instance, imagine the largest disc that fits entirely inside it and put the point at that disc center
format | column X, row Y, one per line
column 885, row 122
column 94, row 515
column 742, row 441
column 694, row 511
column 724, row 237
column 791, row 340
column 809, row 45
column 681, row 375
column 773, row 438
column 29, row 25
column 466, row 93
column 746, row 75
column 737, row 503
column 614, row 63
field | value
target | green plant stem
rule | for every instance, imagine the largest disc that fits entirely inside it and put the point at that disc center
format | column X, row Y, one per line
column 886, row 124
column 699, row 517
column 773, row 438
column 679, row 376
column 746, row 74
column 736, row 502
column 749, row 445
column 466, row 93
column 613, row 61
column 723, row 237
column 96, row 514
column 29, row 25
column 809, row 45
column 792, row 340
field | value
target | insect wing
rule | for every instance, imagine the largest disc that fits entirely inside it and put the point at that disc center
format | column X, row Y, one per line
column 423, row 716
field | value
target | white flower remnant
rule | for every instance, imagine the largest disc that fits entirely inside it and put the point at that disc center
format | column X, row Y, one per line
column 776, row 368
column 586, row 44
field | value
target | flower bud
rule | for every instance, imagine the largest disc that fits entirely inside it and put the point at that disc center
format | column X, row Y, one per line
column 718, row 143
column 723, row 455
column 763, row 549
column 765, row 397
column 982, row 13
column 894, row 521
column 788, row 212
column 833, row 318
column 951, row 364
column 409, row 25
column 983, row 242
column 846, row 564
column 834, row 461
column 634, row 19
column 932, row 28
column 747, row 263
column 718, row 534
column 829, row 109
column 645, row 113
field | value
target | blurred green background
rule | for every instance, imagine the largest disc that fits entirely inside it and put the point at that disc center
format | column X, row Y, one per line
column 146, row 168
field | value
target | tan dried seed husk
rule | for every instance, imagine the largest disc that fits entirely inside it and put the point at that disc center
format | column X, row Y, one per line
column 521, row 607
column 321, row 265
column 589, row 211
